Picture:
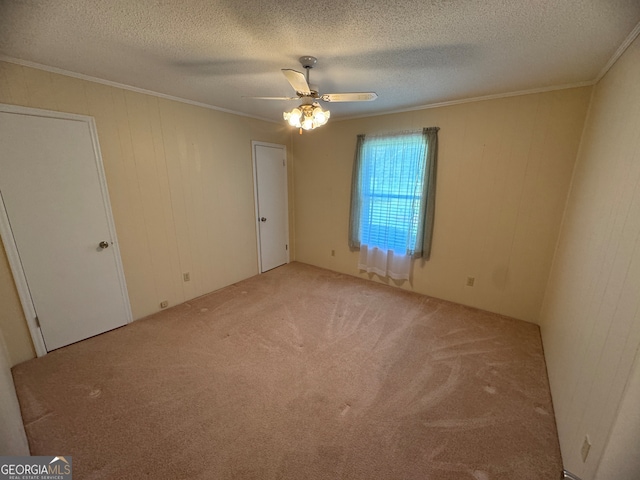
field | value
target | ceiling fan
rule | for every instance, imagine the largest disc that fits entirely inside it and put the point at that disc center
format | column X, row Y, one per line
column 309, row 114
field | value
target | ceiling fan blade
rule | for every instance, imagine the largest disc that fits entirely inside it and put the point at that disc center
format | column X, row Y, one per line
column 349, row 97
column 297, row 81
column 272, row 98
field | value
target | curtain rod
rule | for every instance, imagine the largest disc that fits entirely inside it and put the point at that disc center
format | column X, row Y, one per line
column 400, row 133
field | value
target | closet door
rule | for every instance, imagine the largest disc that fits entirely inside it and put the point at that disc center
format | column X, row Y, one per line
column 58, row 227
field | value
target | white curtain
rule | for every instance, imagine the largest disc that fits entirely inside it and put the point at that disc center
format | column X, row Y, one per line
column 384, row 262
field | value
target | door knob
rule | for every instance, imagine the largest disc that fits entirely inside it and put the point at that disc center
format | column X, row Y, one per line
column 103, row 244
column 263, row 219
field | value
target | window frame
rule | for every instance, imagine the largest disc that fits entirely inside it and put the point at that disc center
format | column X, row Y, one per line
column 421, row 246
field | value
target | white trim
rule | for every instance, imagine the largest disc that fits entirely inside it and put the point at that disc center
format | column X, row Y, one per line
column 37, row 112
column 9, row 242
column 473, row 99
column 89, row 78
column 106, row 201
column 255, row 144
column 20, row 280
column 618, row 53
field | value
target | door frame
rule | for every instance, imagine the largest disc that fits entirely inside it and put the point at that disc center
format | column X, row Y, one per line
column 254, row 144
column 11, row 248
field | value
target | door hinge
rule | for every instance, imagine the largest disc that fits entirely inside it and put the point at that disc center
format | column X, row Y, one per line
column 283, row 162
column 286, row 247
column 37, row 321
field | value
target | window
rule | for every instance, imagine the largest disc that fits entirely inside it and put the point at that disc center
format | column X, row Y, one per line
column 391, row 181
column 393, row 192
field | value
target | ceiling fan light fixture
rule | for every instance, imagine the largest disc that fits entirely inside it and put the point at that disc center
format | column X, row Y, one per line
column 307, row 123
column 307, row 116
column 294, row 117
column 320, row 116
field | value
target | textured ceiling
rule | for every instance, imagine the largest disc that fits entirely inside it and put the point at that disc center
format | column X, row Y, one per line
column 411, row 52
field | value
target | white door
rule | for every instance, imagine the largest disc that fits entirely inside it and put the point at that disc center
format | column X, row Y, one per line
column 270, row 169
column 58, row 225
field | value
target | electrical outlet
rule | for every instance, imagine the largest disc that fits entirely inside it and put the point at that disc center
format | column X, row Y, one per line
column 586, row 446
column 164, row 304
column 471, row 281
column 186, row 276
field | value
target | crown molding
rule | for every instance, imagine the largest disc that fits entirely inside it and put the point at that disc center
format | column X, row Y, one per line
column 475, row 99
column 618, row 53
column 81, row 76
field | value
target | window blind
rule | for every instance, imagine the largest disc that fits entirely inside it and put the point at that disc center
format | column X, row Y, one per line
column 391, row 186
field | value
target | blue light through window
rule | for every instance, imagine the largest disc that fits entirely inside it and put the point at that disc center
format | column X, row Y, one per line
column 392, row 177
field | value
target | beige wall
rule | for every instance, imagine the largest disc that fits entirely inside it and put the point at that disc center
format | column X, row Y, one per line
column 503, row 176
column 591, row 315
column 13, row 440
column 620, row 460
column 180, row 180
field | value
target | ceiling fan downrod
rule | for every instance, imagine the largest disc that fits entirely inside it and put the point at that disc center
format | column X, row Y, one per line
column 307, row 62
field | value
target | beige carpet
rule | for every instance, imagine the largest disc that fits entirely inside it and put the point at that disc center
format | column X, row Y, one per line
column 300, row 373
